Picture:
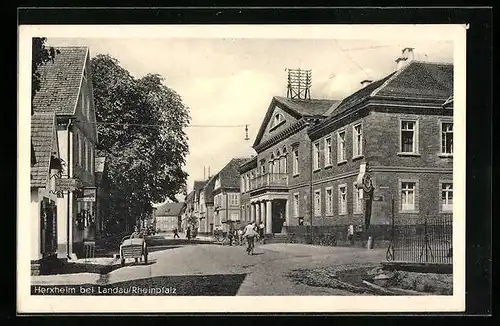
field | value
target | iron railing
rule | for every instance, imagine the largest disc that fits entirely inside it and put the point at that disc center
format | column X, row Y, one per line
column 426, row 242
column 269, row 179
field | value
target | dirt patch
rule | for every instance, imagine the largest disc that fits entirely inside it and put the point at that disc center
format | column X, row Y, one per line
column 353, row 278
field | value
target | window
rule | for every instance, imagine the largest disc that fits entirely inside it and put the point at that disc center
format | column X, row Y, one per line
column 447, row 138
column 447, row 197
column 316, row 156
column 329, row 201
column 85, row 154
column 317, row 203
column 341, row 147
column 296, row 205
column 277, row 119
column 234, row 199
column 409, row 136
column 358, row 199
column 357, row 141
column 408, row 190
column 296, row 161
column 328, row 151
column 342, row 199
column 242, row 184
column 234, row 216
column 262, row 167
column 79, row 151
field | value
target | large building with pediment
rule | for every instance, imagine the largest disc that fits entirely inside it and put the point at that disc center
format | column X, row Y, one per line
column 354, row 165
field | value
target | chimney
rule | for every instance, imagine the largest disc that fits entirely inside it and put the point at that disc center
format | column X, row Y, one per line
column 405, row 58
column 365, row 83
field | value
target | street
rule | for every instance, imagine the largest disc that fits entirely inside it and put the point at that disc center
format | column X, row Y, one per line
column 211, row 269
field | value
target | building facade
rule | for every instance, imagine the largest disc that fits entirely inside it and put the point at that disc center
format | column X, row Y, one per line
column 337, row 165
column 208, row 203
column 44, row 172
column 66, row 90
column 282, row 165
column 169, row 216
column 226, row 194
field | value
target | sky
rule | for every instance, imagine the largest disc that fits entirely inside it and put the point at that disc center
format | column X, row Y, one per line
column 230, row 82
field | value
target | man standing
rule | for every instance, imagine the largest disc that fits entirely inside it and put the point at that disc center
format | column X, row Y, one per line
column 176, row 233
column 261, row 231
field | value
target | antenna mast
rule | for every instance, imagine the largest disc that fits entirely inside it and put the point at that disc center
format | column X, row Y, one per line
column 299, row 84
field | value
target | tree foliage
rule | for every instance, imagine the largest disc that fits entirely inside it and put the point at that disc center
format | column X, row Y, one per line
column 144, row 143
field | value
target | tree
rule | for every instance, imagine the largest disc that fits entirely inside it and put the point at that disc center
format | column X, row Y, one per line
column 145, row 145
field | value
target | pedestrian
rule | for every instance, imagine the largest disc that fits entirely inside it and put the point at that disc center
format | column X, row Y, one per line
column 261, row 231
column 176, row 233
column 250, row 235
column 188, row 233
column 240, row 236
column 136, row 234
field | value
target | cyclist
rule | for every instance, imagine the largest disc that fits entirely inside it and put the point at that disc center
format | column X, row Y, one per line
column 250, row 234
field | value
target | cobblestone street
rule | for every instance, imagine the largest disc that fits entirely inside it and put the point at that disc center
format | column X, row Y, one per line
column 209, row 269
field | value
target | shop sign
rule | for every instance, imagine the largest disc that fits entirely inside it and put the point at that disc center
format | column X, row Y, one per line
column 66, row 184
column 88, row 195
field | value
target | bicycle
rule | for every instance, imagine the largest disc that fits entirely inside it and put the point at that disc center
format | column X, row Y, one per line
column 251, row 244
column 291, row 238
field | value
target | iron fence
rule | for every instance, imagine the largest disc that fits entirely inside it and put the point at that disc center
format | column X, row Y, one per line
column 427, row 242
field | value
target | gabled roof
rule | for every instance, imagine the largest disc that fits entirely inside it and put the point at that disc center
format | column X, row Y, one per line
column 230, row 175
column 170, row 209
column 208, row 188
column 60, row 81
column 42, row 135
column 298, row 108
column 198, row 186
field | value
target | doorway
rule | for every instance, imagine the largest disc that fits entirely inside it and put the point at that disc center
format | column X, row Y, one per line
column 278, row 217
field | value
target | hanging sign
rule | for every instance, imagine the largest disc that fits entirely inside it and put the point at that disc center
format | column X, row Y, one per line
column 88, row 195
column 66, row 184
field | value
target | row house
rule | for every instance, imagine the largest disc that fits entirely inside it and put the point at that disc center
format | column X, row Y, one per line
column 46, row 168
column 207, row 221
column 390, row 141
column 226, row 194
column 169, row 216
column 66, row 91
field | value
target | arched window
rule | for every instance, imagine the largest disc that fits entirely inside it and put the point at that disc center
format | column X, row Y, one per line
column 271, row 164
column 283, row 161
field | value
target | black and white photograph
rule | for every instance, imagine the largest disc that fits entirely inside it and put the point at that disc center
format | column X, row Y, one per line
column 242, row 168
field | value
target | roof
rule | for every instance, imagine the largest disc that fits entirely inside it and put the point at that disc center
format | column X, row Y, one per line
column 209, row 188
column 170, row 209
column 198, row 186
column 230, row 175
column 421, row 80
column 60, row 81
column 42, row 136
column 360, row 95
column 417, row 80
column 312, row 107
column 99, row 164
column 296, row 107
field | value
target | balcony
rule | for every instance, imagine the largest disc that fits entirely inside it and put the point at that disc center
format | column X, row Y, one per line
column 269, row 180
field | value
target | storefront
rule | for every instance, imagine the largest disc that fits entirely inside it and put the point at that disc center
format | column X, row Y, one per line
column 86, row 212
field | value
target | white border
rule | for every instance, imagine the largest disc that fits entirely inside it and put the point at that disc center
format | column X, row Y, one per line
column 94, row 304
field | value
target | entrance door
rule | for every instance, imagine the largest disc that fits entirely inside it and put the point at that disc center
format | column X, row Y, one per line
column 278, row 215
column 48, row 227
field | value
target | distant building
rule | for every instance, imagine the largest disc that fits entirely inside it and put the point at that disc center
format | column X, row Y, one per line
column 168, row 216
column 226, row 194
column 207, row 220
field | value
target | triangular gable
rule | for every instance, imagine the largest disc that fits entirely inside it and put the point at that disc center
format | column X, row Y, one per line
column 266, row 124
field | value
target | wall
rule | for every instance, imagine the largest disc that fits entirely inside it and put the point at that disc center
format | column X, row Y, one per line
column 35, row 250
column 167, row 223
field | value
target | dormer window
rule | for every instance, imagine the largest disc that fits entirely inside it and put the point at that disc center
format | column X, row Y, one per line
column 277, row 120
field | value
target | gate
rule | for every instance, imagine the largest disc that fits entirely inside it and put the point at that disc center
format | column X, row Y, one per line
column 427, row 242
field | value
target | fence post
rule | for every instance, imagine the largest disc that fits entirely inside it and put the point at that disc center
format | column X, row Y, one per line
column 426, row 239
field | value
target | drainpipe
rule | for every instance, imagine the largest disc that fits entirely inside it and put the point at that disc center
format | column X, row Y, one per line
column 227, row 210
column 311, row 198
column 70, row 172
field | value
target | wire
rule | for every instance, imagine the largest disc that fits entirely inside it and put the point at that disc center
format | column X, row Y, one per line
column 161, row 125
column 350, row 58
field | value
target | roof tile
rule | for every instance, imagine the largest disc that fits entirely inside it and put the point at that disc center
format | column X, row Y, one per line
column 60, row 81
column 42, row 133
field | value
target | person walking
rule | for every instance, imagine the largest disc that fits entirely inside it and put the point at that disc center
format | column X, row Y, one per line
column 240, row 236
column 188, row 233
column 176, row 233
column 261, row 231
column 250, row 235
